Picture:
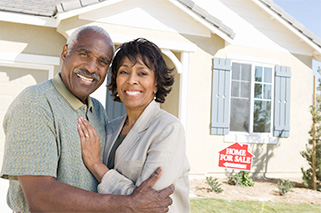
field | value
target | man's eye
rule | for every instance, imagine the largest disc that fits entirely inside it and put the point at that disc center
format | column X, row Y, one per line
column 103, row 63
column 83, row 54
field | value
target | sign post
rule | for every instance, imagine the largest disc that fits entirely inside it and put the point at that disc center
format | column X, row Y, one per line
column 236, row 156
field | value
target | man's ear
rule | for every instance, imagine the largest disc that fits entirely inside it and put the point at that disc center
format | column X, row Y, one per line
column 64, row 52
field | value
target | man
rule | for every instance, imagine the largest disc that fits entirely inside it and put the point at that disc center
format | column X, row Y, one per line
column 42, row 157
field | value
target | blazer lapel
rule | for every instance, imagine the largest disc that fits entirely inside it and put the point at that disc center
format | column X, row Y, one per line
column 141, row 125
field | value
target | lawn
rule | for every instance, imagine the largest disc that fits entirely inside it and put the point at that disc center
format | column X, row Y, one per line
column 208, row 205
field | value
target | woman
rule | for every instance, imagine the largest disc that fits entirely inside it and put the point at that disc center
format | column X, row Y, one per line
column 146, row 137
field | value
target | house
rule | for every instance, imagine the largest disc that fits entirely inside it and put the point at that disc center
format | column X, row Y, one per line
column 243, row 69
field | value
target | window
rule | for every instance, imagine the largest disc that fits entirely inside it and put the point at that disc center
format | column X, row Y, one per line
column 250, row 101
column 240, row 97
column 246, row 115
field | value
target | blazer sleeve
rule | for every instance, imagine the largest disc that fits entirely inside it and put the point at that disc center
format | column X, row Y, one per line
column 167, row 150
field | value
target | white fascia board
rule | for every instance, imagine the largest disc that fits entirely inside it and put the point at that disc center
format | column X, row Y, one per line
column 212, row 28
column 291, row 28
column 29, row 58
column 68, row 14
column 28, row 19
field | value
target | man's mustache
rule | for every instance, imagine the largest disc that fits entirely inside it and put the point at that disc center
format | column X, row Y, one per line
column 86, row 73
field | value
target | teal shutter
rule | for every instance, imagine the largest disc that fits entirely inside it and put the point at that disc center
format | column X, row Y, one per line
column 220, row 115
column 113, row 108
column 282, row 89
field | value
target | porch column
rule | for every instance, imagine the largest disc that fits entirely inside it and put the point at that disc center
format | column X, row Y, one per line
column 184, row 90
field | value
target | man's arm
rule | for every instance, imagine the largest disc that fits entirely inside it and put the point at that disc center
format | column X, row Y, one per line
column 44, row 193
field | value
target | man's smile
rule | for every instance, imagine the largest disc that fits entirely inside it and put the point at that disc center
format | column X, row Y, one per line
column 85, row 79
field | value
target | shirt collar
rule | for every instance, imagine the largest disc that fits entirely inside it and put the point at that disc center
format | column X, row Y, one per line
column 73, row 101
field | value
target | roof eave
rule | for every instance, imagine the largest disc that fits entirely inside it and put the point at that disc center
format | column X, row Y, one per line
column 296, row 27
column 29, row 19
column 63, row 14
column 214, row 25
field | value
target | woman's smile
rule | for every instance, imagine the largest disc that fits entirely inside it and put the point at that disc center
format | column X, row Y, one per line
column 133, row 93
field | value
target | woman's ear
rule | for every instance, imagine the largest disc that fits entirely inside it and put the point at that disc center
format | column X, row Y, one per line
column 64, row 52
column 155, row 89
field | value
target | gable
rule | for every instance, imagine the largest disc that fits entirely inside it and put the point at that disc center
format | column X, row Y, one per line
column 153, row 15
column 255, row 27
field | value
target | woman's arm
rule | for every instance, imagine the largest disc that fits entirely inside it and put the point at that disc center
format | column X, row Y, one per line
column 90, row 149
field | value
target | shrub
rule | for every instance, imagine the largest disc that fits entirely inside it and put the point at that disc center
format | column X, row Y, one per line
column 284, row 186
column 307, row 154
column 240, row 179
column 214, row 184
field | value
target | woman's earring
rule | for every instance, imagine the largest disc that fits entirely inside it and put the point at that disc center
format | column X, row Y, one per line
column 117, row 94
column 154, row 96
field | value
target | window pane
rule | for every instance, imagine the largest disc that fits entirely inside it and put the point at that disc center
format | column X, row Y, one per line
column 236, row 71
column 268, row 75
column 258, row 91
column 240, row 115
column 246, row 72
column 245, row 90
column 240, row 97
column 258, row 74
column 262, row 116
column 267, row 92
column 235, row 89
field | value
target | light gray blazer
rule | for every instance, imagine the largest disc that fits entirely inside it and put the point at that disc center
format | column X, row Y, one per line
column 156, row 139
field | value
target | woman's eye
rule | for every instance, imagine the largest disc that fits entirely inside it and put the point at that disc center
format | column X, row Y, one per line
column 123, row 72
column 142, row 73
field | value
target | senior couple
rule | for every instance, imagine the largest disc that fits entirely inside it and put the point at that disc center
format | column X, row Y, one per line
column 60, row 150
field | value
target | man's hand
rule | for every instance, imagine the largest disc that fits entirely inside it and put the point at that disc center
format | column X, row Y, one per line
column 147, row 199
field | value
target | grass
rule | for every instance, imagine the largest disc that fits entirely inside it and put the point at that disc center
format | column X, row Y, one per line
column 210, row 205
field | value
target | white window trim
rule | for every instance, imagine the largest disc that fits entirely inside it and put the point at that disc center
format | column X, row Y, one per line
column 252, row 137
column 252, row 95
column 29, row 61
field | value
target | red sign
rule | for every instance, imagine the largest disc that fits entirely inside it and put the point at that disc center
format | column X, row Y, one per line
column 236, row 156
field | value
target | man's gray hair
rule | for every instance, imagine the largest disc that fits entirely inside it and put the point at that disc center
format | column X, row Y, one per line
column 74, row 36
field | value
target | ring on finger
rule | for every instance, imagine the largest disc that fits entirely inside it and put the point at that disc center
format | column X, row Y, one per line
column 86, row 135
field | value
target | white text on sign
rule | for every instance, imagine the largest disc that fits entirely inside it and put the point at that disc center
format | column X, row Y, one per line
column 230, row 151
column 240, row 159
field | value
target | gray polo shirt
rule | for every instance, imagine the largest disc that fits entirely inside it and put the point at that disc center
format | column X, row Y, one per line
column 42, row 138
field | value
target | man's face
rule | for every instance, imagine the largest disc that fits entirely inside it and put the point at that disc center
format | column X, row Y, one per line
column 85, row 67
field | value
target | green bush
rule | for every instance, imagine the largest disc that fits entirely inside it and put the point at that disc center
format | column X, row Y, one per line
column 284, row 186
column 240, row 179
column 214, row 184
column 307, row 154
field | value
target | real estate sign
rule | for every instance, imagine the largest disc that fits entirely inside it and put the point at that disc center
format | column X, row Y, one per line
column 236, row 156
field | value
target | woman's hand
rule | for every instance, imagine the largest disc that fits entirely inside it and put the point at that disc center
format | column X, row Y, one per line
column 90, row 148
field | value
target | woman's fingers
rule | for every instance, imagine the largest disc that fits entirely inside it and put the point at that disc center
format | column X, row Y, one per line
column 88, row 131
column 88, row 128
column 84, row 128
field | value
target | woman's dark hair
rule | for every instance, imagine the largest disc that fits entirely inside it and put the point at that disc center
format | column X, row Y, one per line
column 152, row 57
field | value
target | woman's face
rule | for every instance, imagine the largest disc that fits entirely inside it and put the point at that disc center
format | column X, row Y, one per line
column 136, row 84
